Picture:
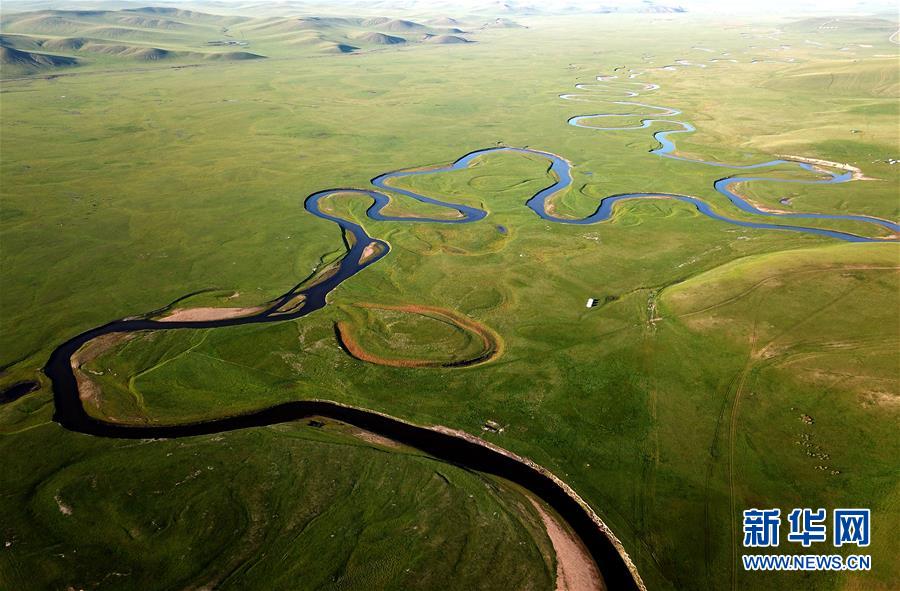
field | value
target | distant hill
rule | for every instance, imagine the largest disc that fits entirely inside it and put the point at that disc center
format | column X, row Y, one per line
column 116, row 33
column 145, row 54
column 303, row 23
column 329, row 21
column 20, row 61
column 25, row 42
column 187, row 15
column 150, row 23
column 43, row 24
column 444, row 21
column 331, row 47
column 656, row 9
column 379, row 39
column 75, row 22
column 137, row 53
column 231, row 56
column 305, row 38
column 445, row 39
column 167, row 33
column 400, row 26
column 529, row 8
column 503, row 23
column 166, row 10
column 375, row 22
column 64, row 43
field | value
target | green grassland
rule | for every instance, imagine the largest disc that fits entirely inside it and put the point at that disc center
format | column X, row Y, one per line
column 786, row 311
column 263, row 508
column 670, row 408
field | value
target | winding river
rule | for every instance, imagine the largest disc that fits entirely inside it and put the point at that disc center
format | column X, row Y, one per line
column 613, row 562
column 724, row 186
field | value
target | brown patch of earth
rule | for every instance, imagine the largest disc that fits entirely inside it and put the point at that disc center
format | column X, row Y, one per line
column 857, row 173
column 372, row 249
column 89, row 391
column 202, row 314
column 882, row 398
column 370, row 437
column 575, row 569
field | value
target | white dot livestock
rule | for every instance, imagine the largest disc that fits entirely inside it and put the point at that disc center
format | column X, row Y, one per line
column 612, row 561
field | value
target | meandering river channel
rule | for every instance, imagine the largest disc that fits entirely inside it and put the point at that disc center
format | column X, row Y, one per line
column 613, row 562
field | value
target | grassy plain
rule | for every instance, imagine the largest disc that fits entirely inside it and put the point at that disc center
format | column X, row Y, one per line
column 262, row 508
column 670, row 408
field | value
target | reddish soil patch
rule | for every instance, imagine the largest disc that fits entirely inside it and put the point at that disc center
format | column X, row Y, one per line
column 492, row 345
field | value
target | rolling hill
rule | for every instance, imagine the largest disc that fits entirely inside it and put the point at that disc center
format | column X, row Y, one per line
column 379, row 39
column 169, row 34
column 17, row 61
